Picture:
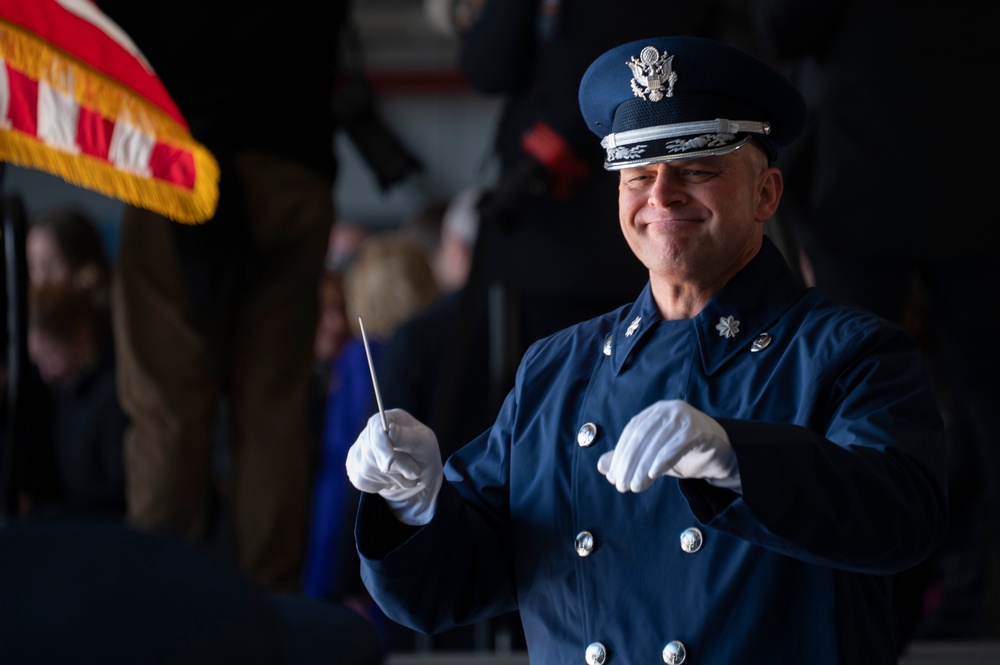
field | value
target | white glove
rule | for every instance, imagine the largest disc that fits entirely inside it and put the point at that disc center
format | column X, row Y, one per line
column 402, row 466
column 671, row 438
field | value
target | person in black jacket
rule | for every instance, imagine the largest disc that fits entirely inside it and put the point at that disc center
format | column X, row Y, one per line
column 898, row 221
column 69, row 342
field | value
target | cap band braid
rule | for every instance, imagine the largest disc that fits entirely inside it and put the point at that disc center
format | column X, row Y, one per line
column 719, row 126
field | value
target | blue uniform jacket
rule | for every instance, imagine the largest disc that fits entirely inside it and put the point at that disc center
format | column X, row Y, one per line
column 841, row 453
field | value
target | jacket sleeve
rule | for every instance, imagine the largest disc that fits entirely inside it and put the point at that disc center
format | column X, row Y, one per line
column 444, row 574
column 863, row 490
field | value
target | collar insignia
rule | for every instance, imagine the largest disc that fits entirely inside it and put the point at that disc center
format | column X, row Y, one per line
column 651, row 71
column 727, row 326
column 632, row 327
column 762, row 342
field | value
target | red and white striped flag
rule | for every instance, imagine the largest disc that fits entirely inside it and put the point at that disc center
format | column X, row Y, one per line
column 78, row 100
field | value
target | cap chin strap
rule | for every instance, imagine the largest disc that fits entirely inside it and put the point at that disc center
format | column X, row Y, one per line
column 719, row 125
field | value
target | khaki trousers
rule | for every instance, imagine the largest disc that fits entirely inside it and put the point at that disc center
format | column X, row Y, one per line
column 171, row 365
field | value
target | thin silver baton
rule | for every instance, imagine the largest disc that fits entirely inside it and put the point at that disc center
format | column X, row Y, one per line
column 371, row 368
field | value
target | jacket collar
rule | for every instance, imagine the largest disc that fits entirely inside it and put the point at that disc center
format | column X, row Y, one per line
column 743, row 310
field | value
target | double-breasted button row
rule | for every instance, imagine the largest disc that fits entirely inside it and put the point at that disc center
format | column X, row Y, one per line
column 673, row 654
column 584, row 542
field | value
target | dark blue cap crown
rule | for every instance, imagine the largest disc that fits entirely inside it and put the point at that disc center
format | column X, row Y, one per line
column 668, row 98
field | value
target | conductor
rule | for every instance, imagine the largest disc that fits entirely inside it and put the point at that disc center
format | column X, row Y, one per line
column 731, row 466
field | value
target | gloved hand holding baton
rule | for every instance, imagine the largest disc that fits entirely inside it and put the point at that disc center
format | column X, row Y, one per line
column 398, row 458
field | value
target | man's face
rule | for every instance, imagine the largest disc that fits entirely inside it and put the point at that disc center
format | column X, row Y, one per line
column 698, row 221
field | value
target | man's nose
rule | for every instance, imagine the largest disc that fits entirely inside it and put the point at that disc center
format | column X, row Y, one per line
column 667, row 189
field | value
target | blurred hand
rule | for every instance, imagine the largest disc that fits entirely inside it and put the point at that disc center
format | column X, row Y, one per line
column 403, row 465
column 671, row 438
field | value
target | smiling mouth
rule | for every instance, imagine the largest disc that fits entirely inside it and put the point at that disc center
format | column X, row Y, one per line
column 672, row 222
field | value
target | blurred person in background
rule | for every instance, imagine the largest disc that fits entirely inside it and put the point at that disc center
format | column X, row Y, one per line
column 63, row 245
column 216, row 322
column 345, row 240
column 411, row 364
column 332, row 333
column 446, row 229
column 901, row 225
column 452, row 259
column 544, row 257
column 73, row 461
column 69, row 340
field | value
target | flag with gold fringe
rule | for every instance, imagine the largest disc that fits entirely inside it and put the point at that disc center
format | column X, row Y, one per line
column 79, row 100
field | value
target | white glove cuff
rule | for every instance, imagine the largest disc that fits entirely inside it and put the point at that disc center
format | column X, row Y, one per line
column 732, row 483
column 417, row 509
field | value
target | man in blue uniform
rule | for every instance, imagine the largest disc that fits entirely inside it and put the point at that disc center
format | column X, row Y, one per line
column 732, row 467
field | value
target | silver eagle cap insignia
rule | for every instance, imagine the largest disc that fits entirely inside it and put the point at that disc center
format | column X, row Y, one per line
column 654, row 76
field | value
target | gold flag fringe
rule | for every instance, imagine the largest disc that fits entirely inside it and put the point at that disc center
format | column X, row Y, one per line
column 192, row 206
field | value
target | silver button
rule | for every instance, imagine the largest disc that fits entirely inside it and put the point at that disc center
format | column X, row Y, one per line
column 674, row 653
column 586, row 435
column 761, row 342
column 584, row 543
column 596, row 654
column 691, row 540
column 607, row 345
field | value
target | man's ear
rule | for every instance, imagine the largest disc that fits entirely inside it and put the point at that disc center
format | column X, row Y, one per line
column 770, row 185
